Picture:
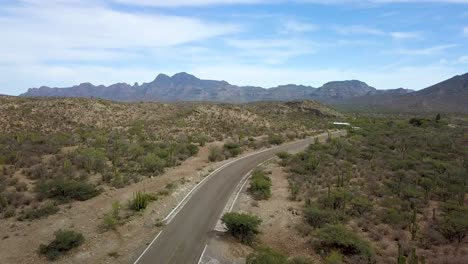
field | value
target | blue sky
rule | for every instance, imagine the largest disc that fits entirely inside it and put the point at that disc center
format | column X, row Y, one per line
column 386, row 43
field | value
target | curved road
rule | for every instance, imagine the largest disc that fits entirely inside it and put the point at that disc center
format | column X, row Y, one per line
column 183, row 239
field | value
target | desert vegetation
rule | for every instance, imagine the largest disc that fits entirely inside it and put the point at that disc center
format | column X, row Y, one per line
column 56, row 151
column 393, row 191
column 260, row 185
column 242, row 226
column 65, row 240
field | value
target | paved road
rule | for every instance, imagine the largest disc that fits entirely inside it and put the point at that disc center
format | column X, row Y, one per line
column 183, row 239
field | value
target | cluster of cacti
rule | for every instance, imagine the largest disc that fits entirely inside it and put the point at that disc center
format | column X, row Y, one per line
column 140, row 201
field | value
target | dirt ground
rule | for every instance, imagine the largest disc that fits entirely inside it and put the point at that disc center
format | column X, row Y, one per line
column 19, row 241
column 279, row 214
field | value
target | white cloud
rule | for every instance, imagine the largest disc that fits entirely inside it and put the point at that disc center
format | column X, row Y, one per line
column 380, row 1
column 77, row 30
column 426, row 51
column 271, row 51
column 293, row 26
column 358, row 29
column 462, row 59
column 178, row 3
column 405, row 35
column 368, row 30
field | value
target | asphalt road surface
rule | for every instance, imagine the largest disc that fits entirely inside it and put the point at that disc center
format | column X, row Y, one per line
column 183, row 239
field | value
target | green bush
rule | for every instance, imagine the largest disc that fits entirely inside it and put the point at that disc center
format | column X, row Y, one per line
column 36, row 213
column 285, row 157
column 64, row 241
column 65, row 190
column 241, row 226
column 260, row 185
column 301, row 260
column 90, row 159
column 112, row 219
column 319, row 218
column 231, row 149
column 337, row 237
column 360, row 205
column 266, row 255
column 275, row 139
column 394, row 217
column 153, row 164
column 216, row 154
column 335, row 257
column 454, row 225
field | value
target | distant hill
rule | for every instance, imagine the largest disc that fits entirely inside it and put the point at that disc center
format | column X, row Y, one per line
column 186, row 87
column 447, row 96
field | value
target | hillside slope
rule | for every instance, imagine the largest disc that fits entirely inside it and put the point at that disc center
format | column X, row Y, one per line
column 450, row 96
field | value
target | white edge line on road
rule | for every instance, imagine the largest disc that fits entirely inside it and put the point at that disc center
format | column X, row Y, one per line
column 174, row 211
column 244, row 182
column 172, row 214
column 146, row 249
column 203, row 253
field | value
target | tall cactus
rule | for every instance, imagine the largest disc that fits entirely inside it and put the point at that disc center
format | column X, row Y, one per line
column 413, row 257
column 414, row 225
column 401, row 258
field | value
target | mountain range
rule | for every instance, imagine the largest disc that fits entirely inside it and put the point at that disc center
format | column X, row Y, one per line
column 186, row 87
column 449, row 96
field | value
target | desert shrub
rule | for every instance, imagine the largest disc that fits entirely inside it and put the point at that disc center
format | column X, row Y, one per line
column 38, row 171
column 201, row 139
column 301, row 260
column 216, row 154
column 431, row 237
column 334, row 257
column 394, row 217
column 266, row 255
column 275, row 139
column 112, row 219
column 419, row 121
column 260, row 185
column 9, row 212
column 284, row 156
column 360, row 205
column 141, row 200
column 241, row 226
column 16, row 199
column 153, row 164
column 40, row 212
column 318, row 218
column 90, row 159
column 454, row 225
column 21, row 187
column 135, row 151
column 64, row 241
column 337, row 237
column 191, row 148
column 65, row 190
column 3, row 202
column 335, row 199
column 231, row 149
